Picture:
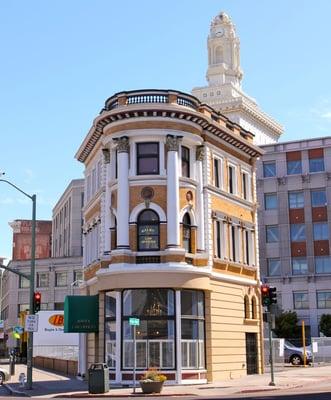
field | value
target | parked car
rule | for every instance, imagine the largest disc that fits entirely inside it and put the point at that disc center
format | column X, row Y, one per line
column 4, row 376
column 295, row 355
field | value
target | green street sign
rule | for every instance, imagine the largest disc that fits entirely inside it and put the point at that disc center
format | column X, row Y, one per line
column 134, row 321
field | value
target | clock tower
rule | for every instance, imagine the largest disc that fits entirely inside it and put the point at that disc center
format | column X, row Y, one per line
column 224, row 91
column 223, row 53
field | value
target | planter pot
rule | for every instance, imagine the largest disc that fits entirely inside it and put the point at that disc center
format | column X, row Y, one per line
column 151, row 387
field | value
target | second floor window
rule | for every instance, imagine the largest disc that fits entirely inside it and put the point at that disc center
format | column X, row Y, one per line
column 42, row 279
column 298, row 232
column 187, row 240
column 185, row 161
column 299, row 266
column 60, row 279
column 148, row 231
column 324, row 299
column 147, row 158
column 274, row 267
column 323, row 265
column 23, row 283
column 300, row 300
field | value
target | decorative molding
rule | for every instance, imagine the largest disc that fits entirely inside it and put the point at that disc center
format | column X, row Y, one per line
column 200, row 153
column 122, row 144
column 147, row 193
column 305, row 178
column 106, row 155
column 282, row 180
column 173, row 142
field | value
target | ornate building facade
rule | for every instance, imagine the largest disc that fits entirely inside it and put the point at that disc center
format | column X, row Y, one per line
column 224, row 91
column 170, row 238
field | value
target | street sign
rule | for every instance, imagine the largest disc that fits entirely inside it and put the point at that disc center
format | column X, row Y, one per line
column 31, row 323
column 18, row 329
column 134, row 321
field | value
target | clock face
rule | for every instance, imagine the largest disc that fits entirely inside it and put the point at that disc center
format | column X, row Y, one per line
column 219, row 32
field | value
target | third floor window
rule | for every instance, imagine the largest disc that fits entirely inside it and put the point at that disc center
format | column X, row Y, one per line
column 147, row 158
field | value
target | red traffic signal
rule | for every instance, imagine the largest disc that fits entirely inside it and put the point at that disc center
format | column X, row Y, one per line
column 265, row 295
column 36, row 302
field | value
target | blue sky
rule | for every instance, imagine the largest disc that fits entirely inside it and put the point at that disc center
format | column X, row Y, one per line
column 61, row 60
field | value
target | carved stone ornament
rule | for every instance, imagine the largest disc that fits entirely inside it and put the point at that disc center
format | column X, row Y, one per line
column 106, row 155
column 173, row 142
column 123, row 144
column 200, row 153
column 189, row 196
column 305, row 178
column 282, row 180
column 147, row 193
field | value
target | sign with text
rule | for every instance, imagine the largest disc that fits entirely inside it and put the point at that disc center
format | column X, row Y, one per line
column 134, row 321
column 31, row 323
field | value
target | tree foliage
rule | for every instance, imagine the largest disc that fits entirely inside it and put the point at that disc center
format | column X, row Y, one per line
column 287, row 325
column 325, row 324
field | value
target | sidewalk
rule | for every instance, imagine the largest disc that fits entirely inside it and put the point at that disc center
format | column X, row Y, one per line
column 48, row 384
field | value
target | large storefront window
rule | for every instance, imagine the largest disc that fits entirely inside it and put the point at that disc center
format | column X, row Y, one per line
column 193, row 329
column 155, row 336
column 110, row 329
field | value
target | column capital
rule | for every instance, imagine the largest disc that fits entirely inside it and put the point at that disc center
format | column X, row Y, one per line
column 200, row 153
column 122, row 144
column 173, row 142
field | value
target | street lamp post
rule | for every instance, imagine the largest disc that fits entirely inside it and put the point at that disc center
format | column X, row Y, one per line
column 32, row 283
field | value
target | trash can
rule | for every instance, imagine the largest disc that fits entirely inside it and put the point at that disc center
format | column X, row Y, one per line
column 98, row 378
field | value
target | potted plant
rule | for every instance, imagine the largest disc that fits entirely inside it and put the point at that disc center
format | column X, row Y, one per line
column 152, row 381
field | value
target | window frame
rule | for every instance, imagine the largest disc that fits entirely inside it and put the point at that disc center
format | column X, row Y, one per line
column 154, row 223
column 292, row 233
column 324, row 228
column 295, row 301
column 148, row 156
column 296, row 168
column 38, row 279
column 313, row 203
column 278, row 267
column 293, row 205
column 297, row 259
column 58, row 275
column 311, row 164
column 267, row 228
column 266, row 164
column 268, row 195
column 327, row 261
column 320, row 292
column 186, row 161
column 187, row 227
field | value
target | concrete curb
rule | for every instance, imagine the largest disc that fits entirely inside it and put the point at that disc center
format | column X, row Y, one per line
column 14, row 392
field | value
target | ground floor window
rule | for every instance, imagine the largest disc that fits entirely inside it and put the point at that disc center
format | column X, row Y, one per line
column 157, row 338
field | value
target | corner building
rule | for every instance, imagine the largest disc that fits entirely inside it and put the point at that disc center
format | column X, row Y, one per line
column 170, row 238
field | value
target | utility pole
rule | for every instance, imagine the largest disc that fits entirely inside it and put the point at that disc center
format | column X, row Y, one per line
column 33, row 198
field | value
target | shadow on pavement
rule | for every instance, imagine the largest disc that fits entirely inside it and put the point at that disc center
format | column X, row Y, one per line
column 53, row 387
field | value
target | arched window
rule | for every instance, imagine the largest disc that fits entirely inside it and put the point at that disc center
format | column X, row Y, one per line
column 187, row 236
column 148, row 231
column 246, row 305
column 254, row 310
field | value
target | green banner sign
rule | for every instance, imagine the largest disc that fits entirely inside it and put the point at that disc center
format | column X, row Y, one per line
column 81, row 314
column 134, row 321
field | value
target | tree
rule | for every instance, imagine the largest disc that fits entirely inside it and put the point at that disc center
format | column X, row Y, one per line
column 287, row 325
column 325, row 324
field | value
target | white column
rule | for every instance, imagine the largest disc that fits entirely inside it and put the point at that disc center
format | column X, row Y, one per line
column 118, row 376
column 82, row 360
column 173, row 237
column 200, row 204
column 123, row 193
column 178, row 338
column 107, row 216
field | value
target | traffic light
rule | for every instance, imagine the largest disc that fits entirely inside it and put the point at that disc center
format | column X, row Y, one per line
column 265, row 295
column 36, row 301
column 273, row 295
